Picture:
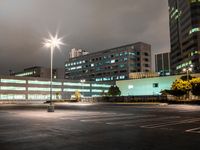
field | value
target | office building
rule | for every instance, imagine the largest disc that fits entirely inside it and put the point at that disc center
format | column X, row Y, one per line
column 30, row 88
column 77, row 52
column 111, row 64
column 41, row 72
column 184, row 16
column 162, row 64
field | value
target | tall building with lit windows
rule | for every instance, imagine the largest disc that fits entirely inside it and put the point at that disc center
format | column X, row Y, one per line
column 184, row 16
column 111, row 64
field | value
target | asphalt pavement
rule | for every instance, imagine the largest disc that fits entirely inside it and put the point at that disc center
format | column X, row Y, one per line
column 84, row 126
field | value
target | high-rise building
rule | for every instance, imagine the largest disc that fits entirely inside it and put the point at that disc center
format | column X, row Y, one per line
column 77, row 52
column 184, row 16
column 162, row 63
column 111, row 64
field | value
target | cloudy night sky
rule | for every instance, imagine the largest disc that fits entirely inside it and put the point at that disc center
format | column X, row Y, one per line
column 92, row 25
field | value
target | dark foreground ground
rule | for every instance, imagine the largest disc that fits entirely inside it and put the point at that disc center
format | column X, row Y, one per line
column 100, row 127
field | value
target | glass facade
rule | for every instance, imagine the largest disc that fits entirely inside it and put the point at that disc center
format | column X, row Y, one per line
column 23, row 88
column 13, row 81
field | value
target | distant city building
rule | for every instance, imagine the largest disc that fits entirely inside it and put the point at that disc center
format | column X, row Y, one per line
column 31, row 88
column 184, row 16
column 162, row 63
column 111, row 64
column 41, row 72
column 77, row 52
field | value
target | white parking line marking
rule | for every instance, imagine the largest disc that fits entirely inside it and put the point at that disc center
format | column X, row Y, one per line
column 194, row 130
column 115, row 118
column 137, row 122
column 171, row 123
column 85, row 116
column 96, row 116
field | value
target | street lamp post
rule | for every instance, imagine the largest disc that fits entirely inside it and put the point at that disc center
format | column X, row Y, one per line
column 187, row 70
column 52, row 43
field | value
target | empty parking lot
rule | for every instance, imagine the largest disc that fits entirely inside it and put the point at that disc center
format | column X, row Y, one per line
column 100, row 126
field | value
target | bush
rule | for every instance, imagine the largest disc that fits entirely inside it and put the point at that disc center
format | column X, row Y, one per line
column 180, row 85
column 195, row 86
column 77, row 96
column 114, row 91
column 177, row 93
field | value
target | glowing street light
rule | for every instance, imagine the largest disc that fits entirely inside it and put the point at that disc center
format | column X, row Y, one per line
column 52, row 43
column 187, row 70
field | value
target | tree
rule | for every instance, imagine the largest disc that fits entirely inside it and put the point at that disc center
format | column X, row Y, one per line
column 77, row 95
column 195, row 82
column 180, row 87
column 114, row 91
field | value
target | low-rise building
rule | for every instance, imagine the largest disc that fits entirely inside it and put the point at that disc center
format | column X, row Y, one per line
column 30, row 88
column 42, row 72
column 147, row 86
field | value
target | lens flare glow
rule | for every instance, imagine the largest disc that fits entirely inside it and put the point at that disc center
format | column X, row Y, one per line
column 53, row 42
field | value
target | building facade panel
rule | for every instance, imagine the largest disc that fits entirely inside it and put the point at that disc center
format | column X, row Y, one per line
column 147, row 86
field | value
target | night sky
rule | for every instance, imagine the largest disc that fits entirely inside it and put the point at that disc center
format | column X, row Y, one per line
column 92, row 25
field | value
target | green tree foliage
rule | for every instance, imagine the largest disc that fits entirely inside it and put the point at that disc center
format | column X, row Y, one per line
column 114, row 91
column 180, row 87
column 77, row 95
column 195, row 82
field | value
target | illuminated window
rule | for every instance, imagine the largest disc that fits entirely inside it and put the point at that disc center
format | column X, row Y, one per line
column 76, row 84
column 112, row 61
column 130, row 87
column 74, row 90
column 12, row 88
column 44, row 89
column 38, row 82
column 194, row 30
column 25, row 74
column 96, row 90
column 13, row 81
column 12, row 96
column 100, row 85
column 122, row 77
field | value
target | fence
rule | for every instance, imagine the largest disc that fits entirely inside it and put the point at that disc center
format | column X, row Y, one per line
column 150, row 98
